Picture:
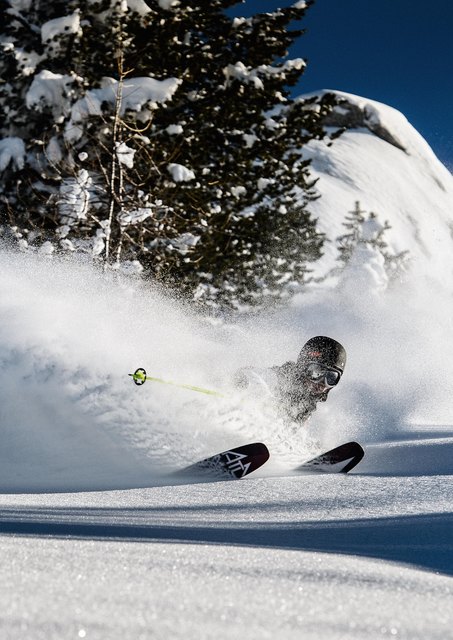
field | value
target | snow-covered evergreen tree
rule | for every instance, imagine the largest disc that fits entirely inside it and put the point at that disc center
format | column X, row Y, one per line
column 160, row 135
column 365, row 259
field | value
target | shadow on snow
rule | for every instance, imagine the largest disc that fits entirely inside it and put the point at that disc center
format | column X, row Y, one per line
column 424, row 541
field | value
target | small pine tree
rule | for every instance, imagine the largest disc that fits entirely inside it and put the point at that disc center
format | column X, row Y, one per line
column 348, row 241
column 367, row 231
column 162, row 134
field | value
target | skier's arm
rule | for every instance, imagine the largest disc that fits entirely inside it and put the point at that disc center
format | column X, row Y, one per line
column 260, row 381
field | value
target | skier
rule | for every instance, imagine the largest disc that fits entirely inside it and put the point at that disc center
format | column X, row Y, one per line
column 298, row 386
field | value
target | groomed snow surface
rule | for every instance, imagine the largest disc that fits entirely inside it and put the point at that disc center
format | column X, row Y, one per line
column 98, row 541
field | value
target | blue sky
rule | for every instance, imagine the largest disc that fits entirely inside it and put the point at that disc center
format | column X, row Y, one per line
column 399, row 52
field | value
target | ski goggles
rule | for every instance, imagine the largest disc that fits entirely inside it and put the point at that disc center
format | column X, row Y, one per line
column 318, row 373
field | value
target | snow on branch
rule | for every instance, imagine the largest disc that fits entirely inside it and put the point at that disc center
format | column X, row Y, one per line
column 60, row 27
column 12, row 150
column 136, row 94
column 179, row 173
column 52, row 90
column 75, row 196
column 249, row 75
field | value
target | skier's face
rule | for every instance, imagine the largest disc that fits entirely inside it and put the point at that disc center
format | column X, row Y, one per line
column 316, row 388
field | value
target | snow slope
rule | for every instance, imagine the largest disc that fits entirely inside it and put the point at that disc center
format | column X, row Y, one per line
column 99, row 541
column 332, row 557
column 385, row 164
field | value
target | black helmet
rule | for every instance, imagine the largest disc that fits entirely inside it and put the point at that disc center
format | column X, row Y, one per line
column 326, row 351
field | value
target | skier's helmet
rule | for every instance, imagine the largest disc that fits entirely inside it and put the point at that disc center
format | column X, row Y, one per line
column 325, row 351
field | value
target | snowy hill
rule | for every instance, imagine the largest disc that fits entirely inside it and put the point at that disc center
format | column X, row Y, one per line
column 385, row 164
column 99, row 542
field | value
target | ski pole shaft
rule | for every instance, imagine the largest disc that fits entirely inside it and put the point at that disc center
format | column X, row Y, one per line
column 140, row 377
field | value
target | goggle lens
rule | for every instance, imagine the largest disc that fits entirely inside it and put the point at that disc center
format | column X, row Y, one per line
column 317, row 372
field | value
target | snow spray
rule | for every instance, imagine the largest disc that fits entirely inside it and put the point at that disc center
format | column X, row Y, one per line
column 70, row 333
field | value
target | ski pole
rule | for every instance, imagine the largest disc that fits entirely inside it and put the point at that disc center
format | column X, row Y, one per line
column 140, row 377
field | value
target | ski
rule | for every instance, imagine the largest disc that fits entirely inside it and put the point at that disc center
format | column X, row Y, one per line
column 339, row 460
column 239, row 462
column 230, row 465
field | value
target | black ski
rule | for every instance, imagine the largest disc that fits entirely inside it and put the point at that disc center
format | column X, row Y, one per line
column 339, row 460
column 230, row 465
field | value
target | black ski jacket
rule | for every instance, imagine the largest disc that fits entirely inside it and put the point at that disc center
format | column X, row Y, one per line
column 286, row 385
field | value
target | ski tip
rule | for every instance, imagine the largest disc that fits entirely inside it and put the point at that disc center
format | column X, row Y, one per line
column 342, row 459
column 359, row 450
column 258, row 448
